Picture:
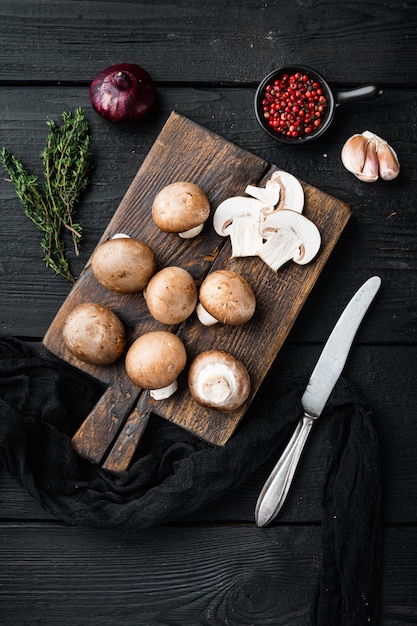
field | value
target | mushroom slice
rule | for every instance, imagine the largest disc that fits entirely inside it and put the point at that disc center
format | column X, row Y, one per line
column 289, row 236
column 182, row 208
column 291, row 191
column 218, row 380
column 171, row 295
column 154, row 361
column 268, row 195
column 238, row 217
column 226, row 297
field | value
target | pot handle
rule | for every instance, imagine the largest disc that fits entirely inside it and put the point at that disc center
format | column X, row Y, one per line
column 366, row 92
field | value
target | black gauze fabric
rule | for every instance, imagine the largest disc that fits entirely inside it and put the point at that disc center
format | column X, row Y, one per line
column 43, row 402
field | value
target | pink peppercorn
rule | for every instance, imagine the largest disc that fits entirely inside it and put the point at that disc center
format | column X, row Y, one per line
column 293, row 105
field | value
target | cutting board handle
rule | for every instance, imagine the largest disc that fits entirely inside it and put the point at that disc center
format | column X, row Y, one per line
column 125, row 446
column 98, row 431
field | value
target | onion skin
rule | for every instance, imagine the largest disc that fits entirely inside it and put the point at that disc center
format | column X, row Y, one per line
column 122, row 93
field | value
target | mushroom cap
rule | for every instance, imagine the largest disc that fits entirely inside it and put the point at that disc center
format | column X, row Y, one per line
column 123, row 264
column 180, row 206
column 94, row 334
column 219, row 380
column 228, row 297
column 171, row 295
column 155, row 359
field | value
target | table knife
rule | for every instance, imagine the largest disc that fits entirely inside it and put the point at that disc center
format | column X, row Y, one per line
column 322, row 381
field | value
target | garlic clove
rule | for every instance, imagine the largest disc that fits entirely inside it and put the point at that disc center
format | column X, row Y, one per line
column 368, row 156
column 370, row 169
column 353, row 153
column 389, row 166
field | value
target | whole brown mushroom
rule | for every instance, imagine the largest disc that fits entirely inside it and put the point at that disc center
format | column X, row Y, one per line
column 171, row 295
column 218, row 380
column 227, row 297
column 182, row 208
column 123, row 264
column 94, row 334
column 154, row 361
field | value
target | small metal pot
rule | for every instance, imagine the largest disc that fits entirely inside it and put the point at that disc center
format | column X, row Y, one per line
column 335, row 97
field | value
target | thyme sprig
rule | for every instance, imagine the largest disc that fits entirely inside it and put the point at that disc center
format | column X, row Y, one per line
column 67, row 167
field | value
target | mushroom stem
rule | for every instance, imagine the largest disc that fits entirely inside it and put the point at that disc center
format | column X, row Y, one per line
column 281, row 247
column 204, row 316
column 192, row 232
column 219, row 380
column 164, row 392
column 216, row 384
column 244, row 236
column 268, row 195
column 121, row 236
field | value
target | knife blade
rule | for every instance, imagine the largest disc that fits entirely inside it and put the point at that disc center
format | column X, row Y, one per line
column 319, row 387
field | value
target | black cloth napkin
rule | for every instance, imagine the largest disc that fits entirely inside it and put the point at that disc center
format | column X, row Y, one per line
column 43, row 401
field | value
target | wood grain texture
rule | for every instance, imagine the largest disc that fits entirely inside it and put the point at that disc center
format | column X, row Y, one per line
column 252, row 579
column 240, row 576
column 186, row 151
column 377, row 239
column 207, row 59
column 217, row 41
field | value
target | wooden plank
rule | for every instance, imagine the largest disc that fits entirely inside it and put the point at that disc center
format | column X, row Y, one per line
column 182, row 151
column 242, row 46
column 180, row 575
column 280, row 297
column 186, row 151
column 378, row 239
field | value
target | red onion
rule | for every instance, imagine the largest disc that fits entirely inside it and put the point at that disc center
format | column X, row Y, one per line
column 122, row 93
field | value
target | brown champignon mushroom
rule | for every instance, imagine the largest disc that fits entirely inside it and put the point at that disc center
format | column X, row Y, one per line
column 227, row 297
column 154, row 361
column 123, row 264
column 94, row 334
column 218, row 380
column 182, row 208
column 171, row 295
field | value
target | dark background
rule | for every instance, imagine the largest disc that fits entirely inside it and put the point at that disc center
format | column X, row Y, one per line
column 207, row 59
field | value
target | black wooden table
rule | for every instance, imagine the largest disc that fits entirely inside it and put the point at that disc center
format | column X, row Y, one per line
column 207, row 59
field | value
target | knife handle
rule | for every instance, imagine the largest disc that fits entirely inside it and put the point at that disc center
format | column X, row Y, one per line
column 277, row 486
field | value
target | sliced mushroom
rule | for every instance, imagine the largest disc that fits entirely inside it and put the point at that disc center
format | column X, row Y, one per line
column 289, row 236
column 171, row 295
column 154, row 361
column 238, row 218
column 268, row 195
column 123, row 264
column 218, row 380
column 182, row 208
column 291, row 191
column 225, row 297
column 281, row 191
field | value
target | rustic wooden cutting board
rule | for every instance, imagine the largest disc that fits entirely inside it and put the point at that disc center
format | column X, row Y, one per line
column 186, row 151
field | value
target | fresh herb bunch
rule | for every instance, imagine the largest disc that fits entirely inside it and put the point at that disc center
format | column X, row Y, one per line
column 67, row 169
